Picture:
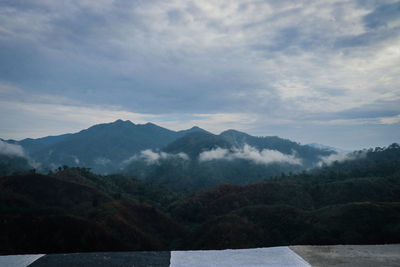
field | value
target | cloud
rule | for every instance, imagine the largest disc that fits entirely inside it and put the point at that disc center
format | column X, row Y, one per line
column 217, row 153
column 340, row 157
column 151, row 157
column 250, row 153
column 390, row 120
column 383, row 16
column 11, row 149
column 279, row 61
column 14, row 150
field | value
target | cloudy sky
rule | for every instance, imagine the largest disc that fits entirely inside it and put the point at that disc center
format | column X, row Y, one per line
column 312, row 71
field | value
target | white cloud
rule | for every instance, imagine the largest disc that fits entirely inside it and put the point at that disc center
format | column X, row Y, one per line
column 217, row 153
column 11, row 149
column 151, row 157
column 244, row 63
column 14, row 150
column 265, row 156
column 339, row 157
column 390, row 120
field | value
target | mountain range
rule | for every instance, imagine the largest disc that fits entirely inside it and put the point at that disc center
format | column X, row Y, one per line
column 193, row 158
column 101, row 147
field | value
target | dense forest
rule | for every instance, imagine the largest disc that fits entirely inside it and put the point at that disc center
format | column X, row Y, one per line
column 71, row 209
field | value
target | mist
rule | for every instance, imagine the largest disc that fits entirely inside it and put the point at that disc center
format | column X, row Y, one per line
column 340, row 157
column 151, row 157
column 247, row 152
column 11, row 149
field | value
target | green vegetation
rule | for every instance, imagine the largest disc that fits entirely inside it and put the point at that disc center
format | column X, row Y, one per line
column 194, row 174
column 351, row 202
column 13, row 164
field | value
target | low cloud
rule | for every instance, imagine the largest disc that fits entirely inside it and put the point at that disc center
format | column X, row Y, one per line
column 265, row 156
column 11, row 149
column 340, row 157
column 151, row 157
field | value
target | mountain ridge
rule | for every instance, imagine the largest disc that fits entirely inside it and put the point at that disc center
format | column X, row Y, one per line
column 106, row 147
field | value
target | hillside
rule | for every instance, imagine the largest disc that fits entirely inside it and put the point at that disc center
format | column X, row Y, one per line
column 231, row 157
column 351, row 202
column 72, row 212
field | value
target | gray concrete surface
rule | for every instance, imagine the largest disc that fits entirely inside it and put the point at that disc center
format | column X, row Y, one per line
column 350, row 255
column 268, row 257
column 18, row 260
column 299, row 256
column 106, row 259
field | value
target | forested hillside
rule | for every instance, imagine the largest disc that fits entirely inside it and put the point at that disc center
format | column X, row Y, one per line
column 199, row 160
column 350, row 202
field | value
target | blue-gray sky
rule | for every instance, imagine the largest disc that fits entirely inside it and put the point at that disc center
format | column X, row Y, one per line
column 312, row 71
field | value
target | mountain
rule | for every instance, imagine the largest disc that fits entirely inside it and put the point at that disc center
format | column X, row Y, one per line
column 196, row 142
column 231, row 157
column 13, row 159
column 329, row 148
column 117, row 146
column 309, row 155
column 13, row 164
column 102, row 147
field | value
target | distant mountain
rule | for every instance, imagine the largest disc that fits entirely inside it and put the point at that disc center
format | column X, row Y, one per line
column 231, row 157
column 309, row 155
column 101, row 147
column 13, row 159
column 196, row 142
column 193, row 158
column 13, row 164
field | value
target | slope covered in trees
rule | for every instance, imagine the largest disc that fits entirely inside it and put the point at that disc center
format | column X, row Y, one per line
column 231, row 157
column 350, row 202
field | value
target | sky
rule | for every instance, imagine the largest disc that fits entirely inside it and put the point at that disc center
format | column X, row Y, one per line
column 311, row 71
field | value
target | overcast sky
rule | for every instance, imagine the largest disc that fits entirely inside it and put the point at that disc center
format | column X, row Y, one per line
column 311, row 71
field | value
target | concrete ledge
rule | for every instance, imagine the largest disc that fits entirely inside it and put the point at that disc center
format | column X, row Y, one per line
column 350, row 255
column 299, row 256
column 18, row 260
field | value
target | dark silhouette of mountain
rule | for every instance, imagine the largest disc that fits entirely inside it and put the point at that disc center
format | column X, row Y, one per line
column 234, row 165
column 102, row 147
column 13, row 164
column 194, row 143
column 35, row 145
column 308, row 154
column 108, row 148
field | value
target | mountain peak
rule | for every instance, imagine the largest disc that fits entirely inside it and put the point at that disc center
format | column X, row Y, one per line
column 151, row 124
column 119, row 121
column 233, row 132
